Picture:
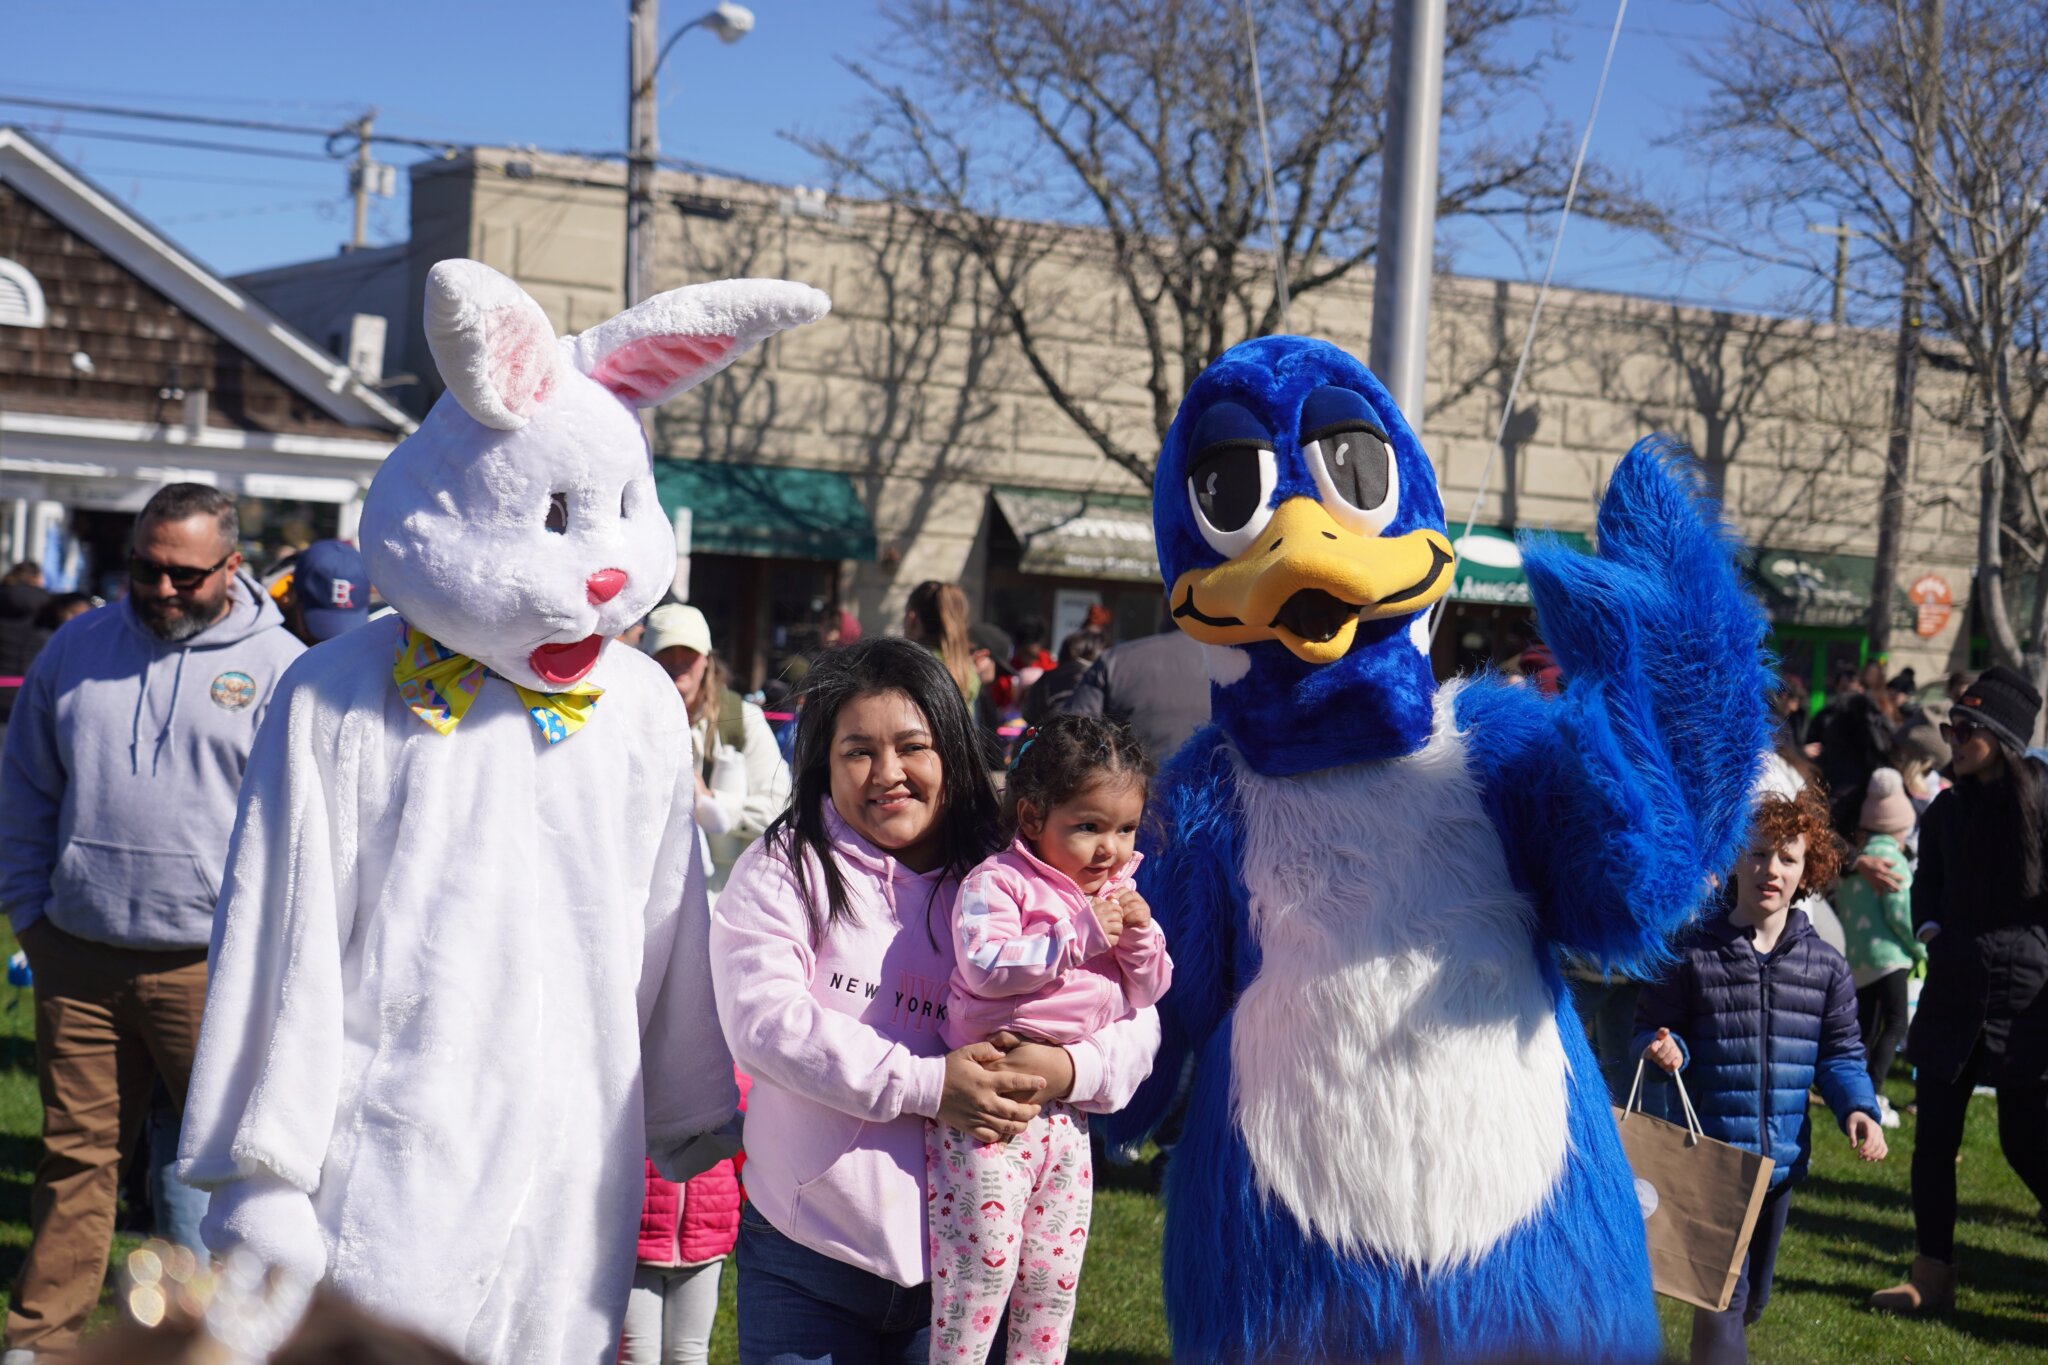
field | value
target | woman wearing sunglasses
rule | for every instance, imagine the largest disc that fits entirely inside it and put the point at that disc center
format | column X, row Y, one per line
column 1980, row 901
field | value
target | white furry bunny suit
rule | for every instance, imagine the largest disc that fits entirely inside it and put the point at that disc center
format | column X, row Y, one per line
column 460, row 979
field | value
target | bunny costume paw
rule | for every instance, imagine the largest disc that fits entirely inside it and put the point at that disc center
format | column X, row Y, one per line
column 271, row 1218
column 460, row 975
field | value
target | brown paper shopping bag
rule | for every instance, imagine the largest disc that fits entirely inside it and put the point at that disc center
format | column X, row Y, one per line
column 1699, row 1199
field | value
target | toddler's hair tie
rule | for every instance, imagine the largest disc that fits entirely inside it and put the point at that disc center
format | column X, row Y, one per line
column 1015, row 758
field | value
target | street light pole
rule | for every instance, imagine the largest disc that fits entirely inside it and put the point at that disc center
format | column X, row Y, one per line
column 731, row 22
column 1399, row 352
column 642, row 147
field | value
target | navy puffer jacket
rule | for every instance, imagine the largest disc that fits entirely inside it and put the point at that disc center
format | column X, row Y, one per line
column 1758, row 1031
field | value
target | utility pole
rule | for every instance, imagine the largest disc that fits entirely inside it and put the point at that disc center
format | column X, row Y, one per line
column 1906, row 357
column 642, row 147
column 1841, row 232
column 1399, row 352
column 359, row 180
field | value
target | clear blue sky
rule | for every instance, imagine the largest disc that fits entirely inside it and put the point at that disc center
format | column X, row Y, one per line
column 552, row 73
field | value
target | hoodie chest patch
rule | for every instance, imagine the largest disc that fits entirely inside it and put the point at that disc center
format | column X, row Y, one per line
column 232, row 691
column 1399, row 971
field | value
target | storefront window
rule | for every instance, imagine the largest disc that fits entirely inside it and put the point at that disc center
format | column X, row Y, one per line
column 763, row 612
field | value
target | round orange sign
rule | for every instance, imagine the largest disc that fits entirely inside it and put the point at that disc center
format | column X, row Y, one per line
column 1933, row 603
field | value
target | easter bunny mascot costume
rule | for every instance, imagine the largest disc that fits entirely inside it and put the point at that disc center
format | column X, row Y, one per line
column 460, row 975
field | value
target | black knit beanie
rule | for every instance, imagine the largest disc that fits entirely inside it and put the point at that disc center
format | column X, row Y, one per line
column 2002, row 702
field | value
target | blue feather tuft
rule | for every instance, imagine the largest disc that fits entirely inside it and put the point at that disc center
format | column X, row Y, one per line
column 1618, row 798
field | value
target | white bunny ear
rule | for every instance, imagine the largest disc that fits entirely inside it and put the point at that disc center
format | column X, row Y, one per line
column 493, row 345
column 654, row 350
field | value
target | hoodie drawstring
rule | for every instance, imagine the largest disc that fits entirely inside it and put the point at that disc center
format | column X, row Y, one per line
column 135, row 724
column 163, row 736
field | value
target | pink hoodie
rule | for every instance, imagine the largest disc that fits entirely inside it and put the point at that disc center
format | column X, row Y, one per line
column 1031, row 957
column 843, row 1042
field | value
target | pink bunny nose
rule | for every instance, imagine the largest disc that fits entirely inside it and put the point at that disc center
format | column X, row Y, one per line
column 604, row 585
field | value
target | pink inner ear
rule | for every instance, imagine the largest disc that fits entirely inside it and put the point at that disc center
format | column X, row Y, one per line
column 642, row 371
column 521, row 355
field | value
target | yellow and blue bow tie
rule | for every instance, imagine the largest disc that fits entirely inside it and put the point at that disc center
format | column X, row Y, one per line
column 439, row 685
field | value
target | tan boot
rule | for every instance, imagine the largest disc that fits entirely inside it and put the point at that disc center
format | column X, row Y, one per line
column 1929, row 1288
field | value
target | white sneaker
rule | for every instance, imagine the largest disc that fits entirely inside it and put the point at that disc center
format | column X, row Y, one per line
column 1886, row 1116
column 20, row 1355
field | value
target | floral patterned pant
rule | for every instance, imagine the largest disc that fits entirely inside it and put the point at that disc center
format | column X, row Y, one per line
column 1007, row 1221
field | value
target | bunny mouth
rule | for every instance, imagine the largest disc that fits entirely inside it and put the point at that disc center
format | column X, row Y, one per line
column 563, row 665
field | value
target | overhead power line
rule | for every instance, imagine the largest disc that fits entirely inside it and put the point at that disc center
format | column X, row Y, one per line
column 191, row 144
column 332, row 134
column 167, row 116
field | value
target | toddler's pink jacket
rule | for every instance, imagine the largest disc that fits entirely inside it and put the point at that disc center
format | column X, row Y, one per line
column 1029, row 955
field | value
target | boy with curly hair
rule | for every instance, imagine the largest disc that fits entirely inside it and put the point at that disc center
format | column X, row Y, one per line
column 1758, row 1009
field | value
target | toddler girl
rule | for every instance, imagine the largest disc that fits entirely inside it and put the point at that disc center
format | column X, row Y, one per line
column 1051, row 944
column 1879, row 929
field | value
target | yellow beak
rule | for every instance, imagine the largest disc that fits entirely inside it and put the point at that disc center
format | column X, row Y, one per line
column 1308, row 582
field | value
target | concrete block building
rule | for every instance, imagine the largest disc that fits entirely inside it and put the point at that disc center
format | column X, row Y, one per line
column 903, row 438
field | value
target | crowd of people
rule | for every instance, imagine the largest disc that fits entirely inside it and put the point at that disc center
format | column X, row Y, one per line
column 948, row 816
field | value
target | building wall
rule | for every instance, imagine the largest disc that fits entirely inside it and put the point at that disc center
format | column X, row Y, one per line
column 912, row 387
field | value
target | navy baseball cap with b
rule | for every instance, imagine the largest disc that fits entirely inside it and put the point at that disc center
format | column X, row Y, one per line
column 332, row 589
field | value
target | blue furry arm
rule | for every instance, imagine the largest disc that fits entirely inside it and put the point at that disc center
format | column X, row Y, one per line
column 1840, row 1073
column 1190, row 878
column 1618, row 800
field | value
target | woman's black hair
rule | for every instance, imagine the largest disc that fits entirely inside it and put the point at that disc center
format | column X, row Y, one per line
column 1064, row 755
column 969, row 818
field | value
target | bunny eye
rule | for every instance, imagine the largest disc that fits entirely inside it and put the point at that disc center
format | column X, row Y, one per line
column 558, row 513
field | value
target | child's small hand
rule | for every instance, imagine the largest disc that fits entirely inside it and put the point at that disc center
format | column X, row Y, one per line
column 1137, row 914
column 1110, row 916
column 1664, row 1052
column 1866, row 1136
column 1881, row 876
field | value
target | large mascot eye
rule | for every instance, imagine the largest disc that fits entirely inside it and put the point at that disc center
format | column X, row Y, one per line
column 1229, row 485
column 558, row 513
column 1351, row 460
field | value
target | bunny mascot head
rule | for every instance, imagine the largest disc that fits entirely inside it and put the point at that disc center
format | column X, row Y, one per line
column 519, row 525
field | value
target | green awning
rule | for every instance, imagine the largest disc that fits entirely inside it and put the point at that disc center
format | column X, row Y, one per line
column 768, row 511
column 1490, row 565
column 1808, row 588
column 1081, row 535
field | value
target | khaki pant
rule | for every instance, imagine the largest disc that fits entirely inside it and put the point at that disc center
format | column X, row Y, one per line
column 109, row 1021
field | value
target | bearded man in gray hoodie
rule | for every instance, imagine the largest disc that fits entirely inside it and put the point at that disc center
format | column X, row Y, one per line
column 117, row 796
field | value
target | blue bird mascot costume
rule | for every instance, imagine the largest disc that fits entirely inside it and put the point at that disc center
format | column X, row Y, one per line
column 1397, row 1144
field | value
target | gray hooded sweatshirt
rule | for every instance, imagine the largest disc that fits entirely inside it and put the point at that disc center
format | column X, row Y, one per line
column 124, row 756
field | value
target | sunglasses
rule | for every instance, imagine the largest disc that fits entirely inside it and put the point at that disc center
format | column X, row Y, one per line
column 183, row 576
column 1959, row 731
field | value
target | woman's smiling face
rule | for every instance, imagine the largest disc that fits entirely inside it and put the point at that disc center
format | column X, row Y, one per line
column 887, row 782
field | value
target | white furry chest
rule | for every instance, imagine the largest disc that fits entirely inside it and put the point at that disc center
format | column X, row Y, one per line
column 1399, row 1080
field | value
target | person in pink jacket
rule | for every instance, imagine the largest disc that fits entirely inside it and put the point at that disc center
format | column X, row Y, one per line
column 686, row 1232
column 1053, row 943
column 831, row 952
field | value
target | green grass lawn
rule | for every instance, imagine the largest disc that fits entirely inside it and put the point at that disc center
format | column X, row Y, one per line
column 1851, row 1232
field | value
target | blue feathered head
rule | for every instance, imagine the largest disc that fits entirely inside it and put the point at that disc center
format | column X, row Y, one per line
column 1301, row 534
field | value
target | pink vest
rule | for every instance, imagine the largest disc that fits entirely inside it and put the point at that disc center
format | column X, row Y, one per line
column 698, row 1220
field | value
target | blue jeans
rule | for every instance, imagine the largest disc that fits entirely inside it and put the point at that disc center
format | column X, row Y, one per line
column 800, row 1307
column 1719, row 1338
column 177, row 1206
